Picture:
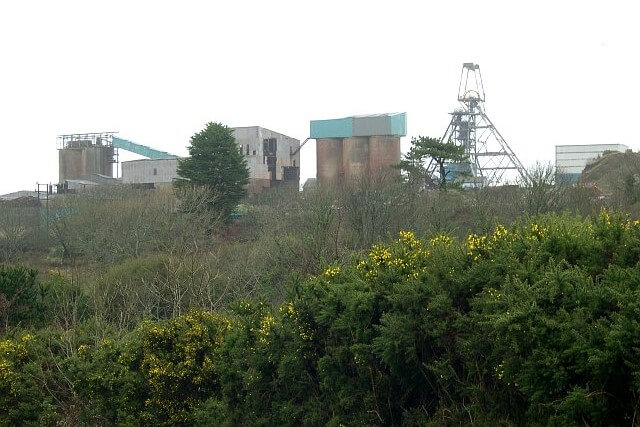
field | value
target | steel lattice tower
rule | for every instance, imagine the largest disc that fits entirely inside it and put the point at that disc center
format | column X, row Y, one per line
column 490, row 157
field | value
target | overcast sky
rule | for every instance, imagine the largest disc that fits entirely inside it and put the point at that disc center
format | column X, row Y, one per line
column 555, row 72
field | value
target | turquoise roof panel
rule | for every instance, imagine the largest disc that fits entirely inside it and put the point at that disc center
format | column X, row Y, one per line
column 391, row 124
column 398, row 124
column 333, row 128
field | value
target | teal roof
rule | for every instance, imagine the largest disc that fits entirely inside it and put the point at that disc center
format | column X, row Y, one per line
column 389, row 124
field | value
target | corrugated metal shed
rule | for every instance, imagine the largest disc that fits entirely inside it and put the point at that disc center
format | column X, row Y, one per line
column 389, row 124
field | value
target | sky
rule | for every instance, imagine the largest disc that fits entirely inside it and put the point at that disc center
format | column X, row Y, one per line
column 555, row 72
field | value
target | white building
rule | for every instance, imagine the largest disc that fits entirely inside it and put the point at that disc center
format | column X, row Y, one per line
column 272, row 159
column 572, row 159
column 150, row 172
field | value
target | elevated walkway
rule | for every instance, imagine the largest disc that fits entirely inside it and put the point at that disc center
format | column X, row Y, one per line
column 140, row 149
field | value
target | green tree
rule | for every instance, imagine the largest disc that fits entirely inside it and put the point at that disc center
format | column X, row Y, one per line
column 423, row 149
column 216, row 163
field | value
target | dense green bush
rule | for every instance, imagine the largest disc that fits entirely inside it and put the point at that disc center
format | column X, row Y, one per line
column 533, row 324
column 21, row 296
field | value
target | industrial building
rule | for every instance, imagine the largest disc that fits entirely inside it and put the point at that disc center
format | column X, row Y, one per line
column 572, row 159
column 81, row 155
column 272, row 159
column 153, row 173
column 86, row 160
column 359, row 146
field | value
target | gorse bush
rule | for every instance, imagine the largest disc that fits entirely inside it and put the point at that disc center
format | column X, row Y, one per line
column 21, row 296
column 531, row 324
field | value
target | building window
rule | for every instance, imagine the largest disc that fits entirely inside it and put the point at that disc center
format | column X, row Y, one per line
column 155, row 171
column 294, row 163
column 254, row 152
column 247, row 149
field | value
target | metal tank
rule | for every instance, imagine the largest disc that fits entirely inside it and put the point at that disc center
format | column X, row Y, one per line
column 329, row 159
column 81, row 160
column 384, row 152
column 361, row 145
column 355, row 157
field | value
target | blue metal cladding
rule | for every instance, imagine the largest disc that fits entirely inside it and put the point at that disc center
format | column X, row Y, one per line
column 398, row 124
column 334, row 128
column 394, row 124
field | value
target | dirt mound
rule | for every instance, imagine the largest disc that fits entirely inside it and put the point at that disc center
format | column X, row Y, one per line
column 20, row 202
column 609, row 172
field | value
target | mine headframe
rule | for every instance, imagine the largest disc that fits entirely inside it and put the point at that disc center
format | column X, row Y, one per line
column 490, row 160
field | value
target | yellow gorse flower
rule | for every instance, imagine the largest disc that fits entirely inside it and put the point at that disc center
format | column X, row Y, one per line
column 379, row 255
column 441, row 239
column 332, row 271
column 83, row 349
column 407, row 255
column 288, row 309
column 475, row 244
column 408, row 238
column 537, row 232
column 605, row 216
column 264, row 331
column 12, row 354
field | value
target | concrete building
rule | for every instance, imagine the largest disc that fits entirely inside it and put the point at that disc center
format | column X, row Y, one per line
column 150, row 172
column 358, row 146
column 272, row 159
column 80, row 155
column 572, row 159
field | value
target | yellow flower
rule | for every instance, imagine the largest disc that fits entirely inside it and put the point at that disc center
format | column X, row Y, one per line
column 265, row 328
column 83, row 349
column 605, row 217
column 379, row 255
column 408, row 238
column 475, row 244
column 538, row 232
column 441, row 239
column 332, row 271
column 288, row 309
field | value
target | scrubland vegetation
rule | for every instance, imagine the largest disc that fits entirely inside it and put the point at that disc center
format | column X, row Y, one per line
column 376, row 304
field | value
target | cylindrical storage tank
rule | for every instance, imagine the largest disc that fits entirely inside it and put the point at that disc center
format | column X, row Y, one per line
column 384, row 152
column 107, row 161
column 329, row 160
column 98, row 159
column 70, row 164
column 80, row 163
column 355, row 157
